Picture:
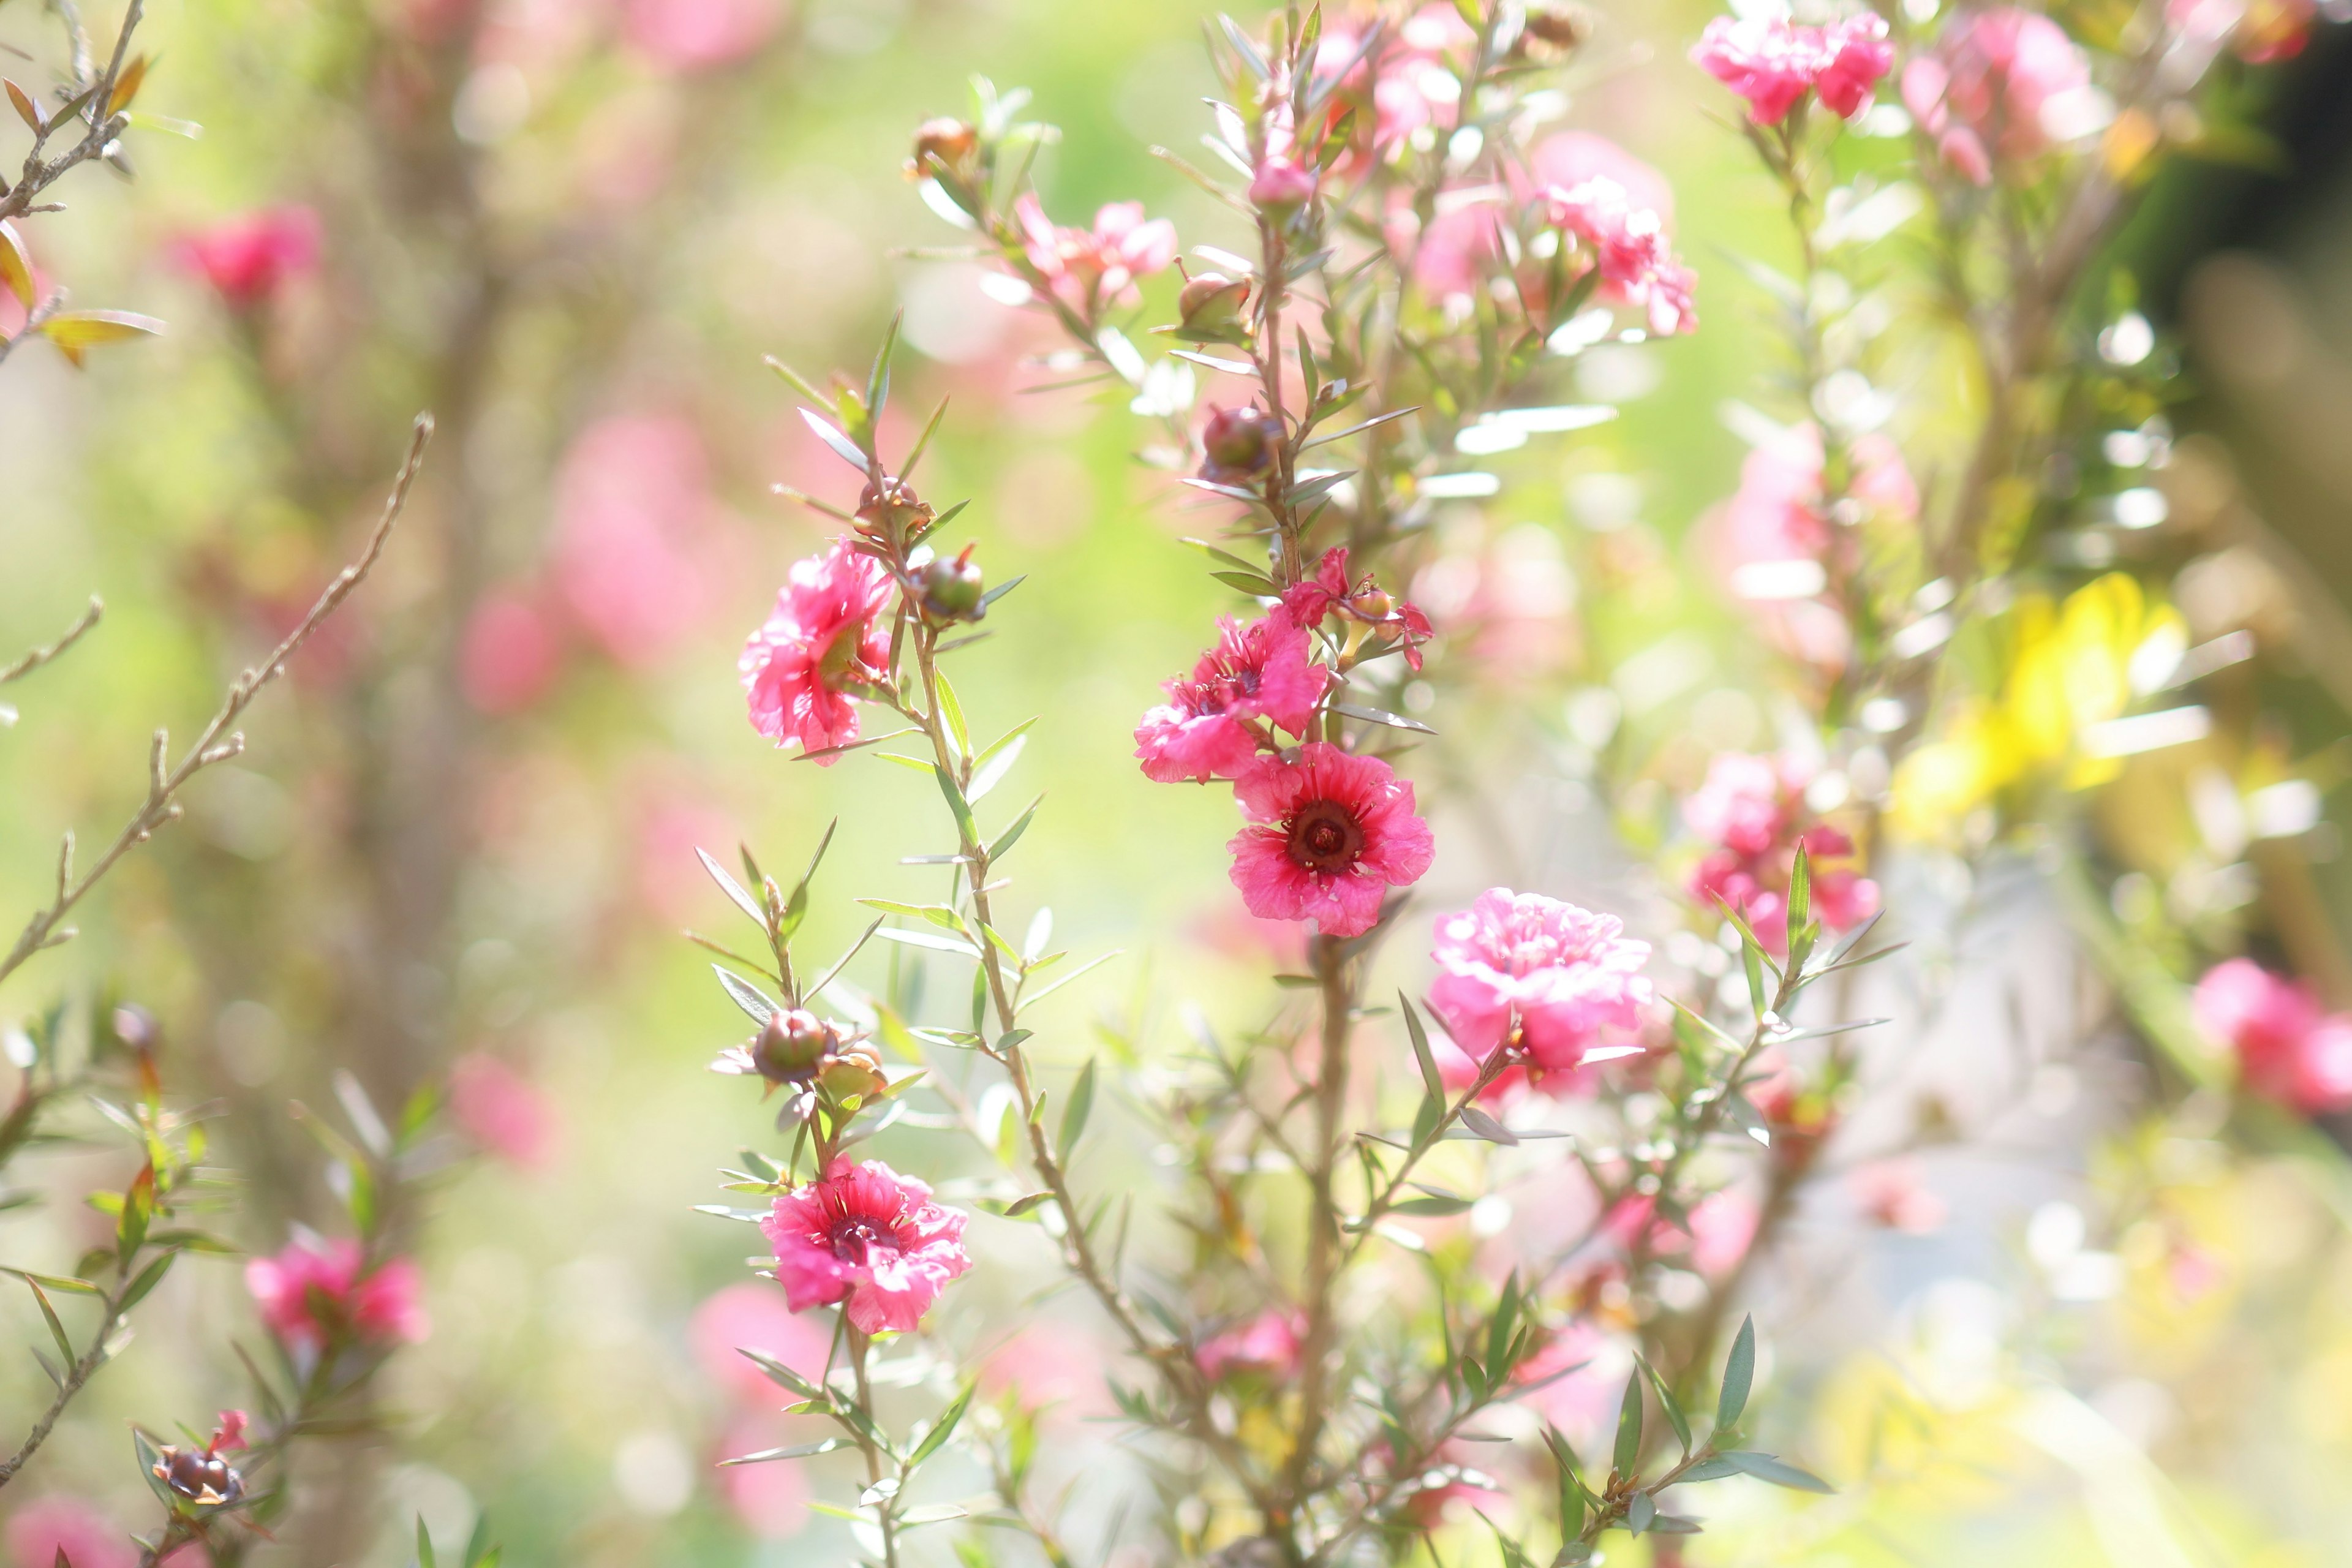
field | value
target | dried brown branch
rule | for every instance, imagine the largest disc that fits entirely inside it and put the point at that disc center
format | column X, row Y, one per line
column 216, row 744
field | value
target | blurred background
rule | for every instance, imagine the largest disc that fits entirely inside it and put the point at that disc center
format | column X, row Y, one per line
column 464, row 833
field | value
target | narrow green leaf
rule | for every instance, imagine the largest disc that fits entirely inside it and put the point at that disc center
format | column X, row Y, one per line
column 956, row 803
column 1738, row 1373
column 425, row 1558
column 1420, row 1052
column 1628, row 1451
column 1081, row 1106
column 57, row 1329
column 952, row 710
column 1780, row 1472
column 942, row 1429
column 1667, row 1404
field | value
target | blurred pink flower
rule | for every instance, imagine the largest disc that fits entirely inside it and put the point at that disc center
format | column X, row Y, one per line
column 1752, row 810
column 1090, row 269
column 632, row 513
column 769, row 1499
column 42, row 1530
column 1255, row 671
column 314, row 1290
column 502, row 1111
column 2288, row 1050
column 1330, row 835
column 1629, row 248
column 1574, row 1381
column 697, row 35
column 827, row 630
column 1412, row 77
column 1772, row 62
column 673, row 822
column 511, row 653
column 1567, row 158
column 2262, row 31
column 865, row 1235
column 1722, row 1228
column 752, row 1314
column 1281, row 185
column 1268, row 1345
column 1547, row 972
column 1891, row 1193
column 248, row 258
column 1054, row 1365
column 2003, row 83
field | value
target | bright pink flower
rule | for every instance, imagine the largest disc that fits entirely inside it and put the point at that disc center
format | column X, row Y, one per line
column 828, row 627
column 1773, row 62
column 1526, row 967
column 1330, row 835
column 42, row 1530
column 1629, row 248
column 511, row 653
column 228, row 1432
column 1090, row 269
column 248, row 259
column 1255, row 671
column 1752, row 810
column 631, row 555
column 501, row 1111
column 2002, row 82
column 1311, row 600
column 1268, row 1345
column 752, row 1314
column 697, row 35
column 2287, row 1047
column 313, row 1292
column 865, row 1235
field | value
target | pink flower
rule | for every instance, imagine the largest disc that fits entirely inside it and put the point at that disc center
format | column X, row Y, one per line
column 2262, row 31
column 771, row 1500
column 697, row 35
column 865, row 1235
column 1629, row 246
column 313, row 1292
column 48, row 1527
column 1330, row 835
column 2287, row 1049
column 2004, row 82
column 1281, row 185
column 1773, row 62
column 1090, row 269
column 828, row 627
column 1268, row 1344
column 1051, row 1365
column 228, row 1432
column 1255, row 671
column 632, row 555
column 1890, row 1192
column 1312, row 600
column 1777, row 522
column 752, row 1314
column 1526, row 967
column 1722, row 1228
column 1752, row 810
column 248, row 259
column 1575, row 1380
column 501, row 1111
column 511, row 653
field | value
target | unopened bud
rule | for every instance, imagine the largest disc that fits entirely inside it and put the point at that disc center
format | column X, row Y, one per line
column 855, row 1069
column 1239, row 443
column 135, row 1027
column 1371, row 605
column 1211, row 301
column 892, row 512
column 948, row 142
column 952, row 590
column 792, row 1045
column 1281, row 186
column 1551, row 31
column 197, row 1475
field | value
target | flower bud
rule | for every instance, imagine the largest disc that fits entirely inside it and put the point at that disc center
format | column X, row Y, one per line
column 1552, row 31
column 792, row 1044
column 1212, row 302
column 1281, row 186
column 855, row 1069
column 135, row 1027
column 952, row 590
column 893, row 513
column 198, row 1475
column 1239, row 443
column 949, row 141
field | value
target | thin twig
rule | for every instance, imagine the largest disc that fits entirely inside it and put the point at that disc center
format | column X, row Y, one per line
column 161, row 807
column 41, row 656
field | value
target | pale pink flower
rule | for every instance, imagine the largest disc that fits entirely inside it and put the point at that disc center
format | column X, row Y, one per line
column 1722, row 1228
column 1330, row 835
column 1891, row 1193
column 2261, row 31
column 1575, row 1380
column 314, row 1292
column 1773, row 62
column 1777, row 518
column 1090, row 269
column 2002, row 83
column 511, row 653
column 828, row 627
column 770, row 1499
column 1567, row 158
column 1258, row 671
column 697, row 35
column 1411, row 75
column 1548, row 973
column 1268, row 1345
column 45, row 1528
column 868, row 1236
column 631, row 552
column 501, row 1111
column 752, row 1314
column 1051, row 1364
column 2288, row 1049
column 247, row 259
column 1752, row 811
column 1629, row 248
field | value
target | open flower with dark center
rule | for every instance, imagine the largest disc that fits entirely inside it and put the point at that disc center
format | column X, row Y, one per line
column 1255, row 671
column 868, row 1236
column 1330, row 835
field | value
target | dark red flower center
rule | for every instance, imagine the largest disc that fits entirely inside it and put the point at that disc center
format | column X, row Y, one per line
column 854, row 1240
column 1325, row 837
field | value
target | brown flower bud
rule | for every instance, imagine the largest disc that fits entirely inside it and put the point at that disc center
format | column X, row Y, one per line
column 951, row 143
column 892, row 512
column 1553, row 31
column 952, row 590
column 792, row 1045
column 855, row 1069
column 1239, row 443
column 1212, row 302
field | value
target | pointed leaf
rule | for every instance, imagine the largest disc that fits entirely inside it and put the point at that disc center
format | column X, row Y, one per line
column 1081, row 1105
column 77, row 332
column 1628, row 1451
column 1738, row 1373
column 15, row 262
column 1780, row 1472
